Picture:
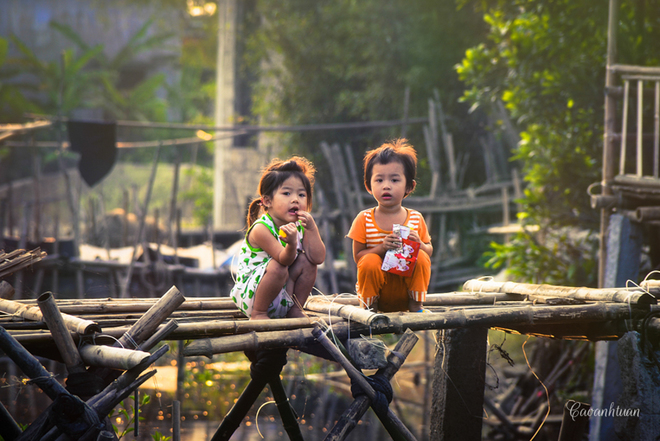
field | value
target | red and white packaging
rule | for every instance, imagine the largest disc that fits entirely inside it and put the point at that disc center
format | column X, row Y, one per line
column 402, row 260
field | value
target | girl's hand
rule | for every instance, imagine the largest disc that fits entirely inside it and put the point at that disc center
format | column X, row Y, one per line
column 291, row 232
column 306, row 220
column 391, row 242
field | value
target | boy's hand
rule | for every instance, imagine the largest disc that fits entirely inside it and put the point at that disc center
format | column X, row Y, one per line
column 290, row 235
column 306, row 220
column 414, row 236
column 391, row 242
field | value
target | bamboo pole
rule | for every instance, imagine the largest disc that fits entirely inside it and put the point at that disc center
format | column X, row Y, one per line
column 206, row 329
column 358, row 408
column 110, row 357
column 349, row 312
column 30, row 366
column 645, row 214
column 90, row 306
column 9, row 429
column 651, row 285
column 619, row 295
column 148, row 323
column 526, row 314
column 159, row 335
column 61, row 335
column 392, row 423
column 101, row 403
column 72, row 323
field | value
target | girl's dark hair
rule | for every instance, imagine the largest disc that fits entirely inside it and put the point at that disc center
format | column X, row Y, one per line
column 274, row 175
column 398, row 150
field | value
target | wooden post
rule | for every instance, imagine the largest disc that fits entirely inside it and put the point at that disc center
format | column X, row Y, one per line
column 327, row 239
column 171, row 230
column 609, row 160
column 574, row 422
column 289, row 421
column 37, row 194
column 356, row 182
column 180, row 371
column 624, row 242
column 176, row 420
column 143, row 215
column 55, row 275
column 458, row 386
column 339, row 193
column 124, row 219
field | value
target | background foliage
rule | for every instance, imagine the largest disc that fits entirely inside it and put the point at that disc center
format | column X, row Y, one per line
column 545, row 60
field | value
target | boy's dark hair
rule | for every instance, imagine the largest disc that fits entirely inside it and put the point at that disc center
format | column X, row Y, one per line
column 274, row 175
column 398, row 150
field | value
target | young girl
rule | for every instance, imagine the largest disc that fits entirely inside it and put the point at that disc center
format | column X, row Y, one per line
column 282, row 247
column 389, row 176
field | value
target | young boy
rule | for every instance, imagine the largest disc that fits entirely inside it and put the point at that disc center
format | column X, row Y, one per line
column 389, row 176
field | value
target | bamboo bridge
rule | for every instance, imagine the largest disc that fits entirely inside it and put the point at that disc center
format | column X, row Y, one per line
column 111, row 339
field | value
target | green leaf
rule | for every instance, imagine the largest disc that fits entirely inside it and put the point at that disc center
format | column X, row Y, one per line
column 4, row 47
column 69, row 33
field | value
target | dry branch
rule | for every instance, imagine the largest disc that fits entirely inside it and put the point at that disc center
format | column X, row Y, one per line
column 18, row 260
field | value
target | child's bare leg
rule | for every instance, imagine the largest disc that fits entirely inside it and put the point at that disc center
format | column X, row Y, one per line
column 302, row 276
column 270, row 286
column 414, row 305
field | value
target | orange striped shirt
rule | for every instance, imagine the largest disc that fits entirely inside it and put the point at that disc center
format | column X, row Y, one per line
column 365, row 230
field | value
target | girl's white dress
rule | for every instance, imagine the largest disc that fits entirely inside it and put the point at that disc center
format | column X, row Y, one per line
column 252, row 263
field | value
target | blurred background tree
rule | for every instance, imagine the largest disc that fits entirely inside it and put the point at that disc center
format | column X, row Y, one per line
column 545, row 61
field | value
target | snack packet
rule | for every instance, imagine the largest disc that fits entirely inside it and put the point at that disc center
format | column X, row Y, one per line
column 402, row 260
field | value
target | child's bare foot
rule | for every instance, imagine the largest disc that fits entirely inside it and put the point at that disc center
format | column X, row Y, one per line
column 296, row 312
column 259, row 316
column 414, row 306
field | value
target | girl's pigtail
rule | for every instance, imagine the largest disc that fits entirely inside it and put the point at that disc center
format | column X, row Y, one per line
column 253, row 211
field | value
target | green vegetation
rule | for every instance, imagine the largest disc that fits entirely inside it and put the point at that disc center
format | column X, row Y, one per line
column 348, row 61
column 126, row 412
column 545, row 60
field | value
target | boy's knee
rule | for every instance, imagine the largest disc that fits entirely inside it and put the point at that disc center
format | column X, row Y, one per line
column 370, row 262
column 423, row 259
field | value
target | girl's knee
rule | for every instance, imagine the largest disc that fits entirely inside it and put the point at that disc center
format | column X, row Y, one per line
column 277, row 271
